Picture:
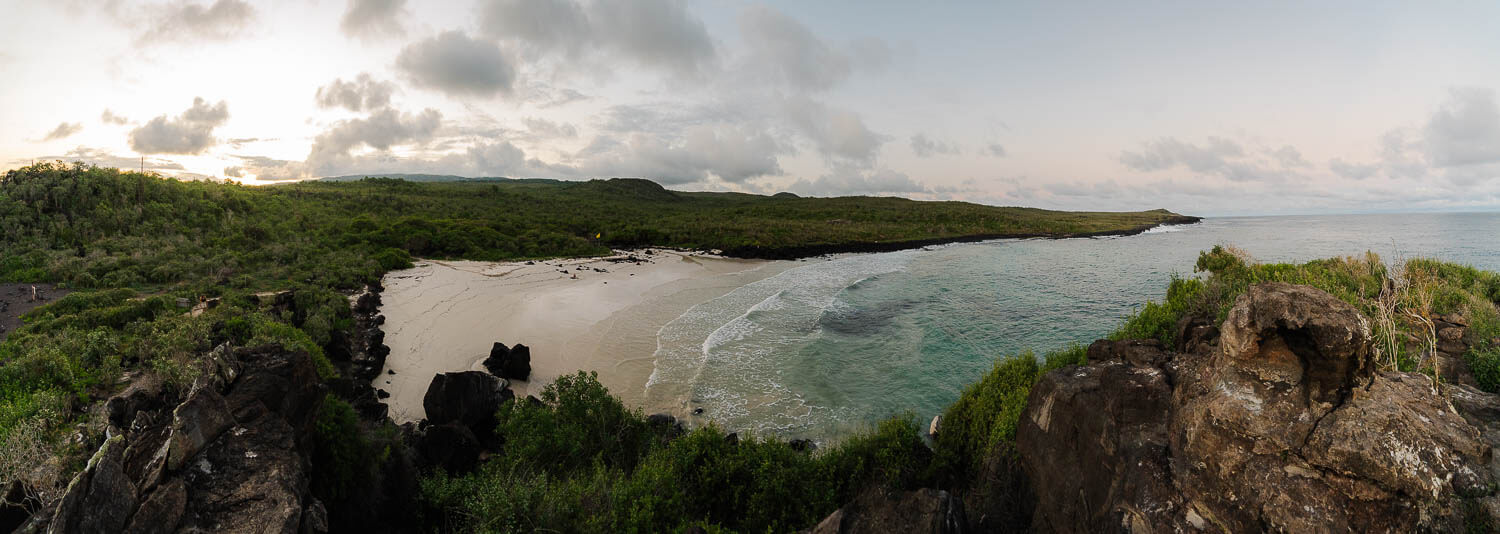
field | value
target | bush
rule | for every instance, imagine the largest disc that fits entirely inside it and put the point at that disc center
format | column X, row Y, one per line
column 341, row 456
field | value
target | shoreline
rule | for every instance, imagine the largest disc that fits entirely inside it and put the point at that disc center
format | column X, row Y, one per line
column 605, row 320
column 810, row 251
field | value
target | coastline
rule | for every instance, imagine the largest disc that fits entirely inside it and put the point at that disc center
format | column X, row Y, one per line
column 605, row 320
column 808, row 251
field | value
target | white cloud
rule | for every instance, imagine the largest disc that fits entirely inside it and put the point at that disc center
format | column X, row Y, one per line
column 457, row 65
column 848, row 182
column 63, row 131
column 364, row 93
column 188, row 133
column 182, row 22
column 369, row 19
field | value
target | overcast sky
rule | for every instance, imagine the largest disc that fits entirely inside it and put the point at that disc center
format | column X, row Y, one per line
column 1213, row 109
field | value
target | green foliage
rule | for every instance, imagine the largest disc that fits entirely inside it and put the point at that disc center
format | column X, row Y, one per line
column 984, row 418
column 581, row 462
column 341, row 457
column 1484, row 364
column 95, row 227
column 1159, row 321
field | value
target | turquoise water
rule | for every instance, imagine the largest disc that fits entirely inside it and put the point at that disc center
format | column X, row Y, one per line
column 835, row 344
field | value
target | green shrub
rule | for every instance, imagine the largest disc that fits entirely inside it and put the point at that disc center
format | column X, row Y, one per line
column 341, row 456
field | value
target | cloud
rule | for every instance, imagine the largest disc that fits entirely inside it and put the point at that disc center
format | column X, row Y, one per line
column 783, row 49
column 1167, row 152
column 545, row 129
column 457, row 65
column 362, row 94
column 1465, row 130
column 188, row 133
column 558, row 26
column 1288, row 156
column 182, row 22
column 103, row 158
column 732, row 154
column 368, row 19
column 655, row 33
column 836, row 133
column 845, row 183
column 995, row 149
column 925, row 148
column 234, row 171
column 63, row 131
column 382, row 130
column 109, row 117
column 1352, row 171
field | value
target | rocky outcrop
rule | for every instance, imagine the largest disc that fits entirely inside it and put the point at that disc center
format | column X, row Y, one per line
column 360, row 353
column 1283, row 423
column 227, row 458
column 921, row 511
column 513, row 363
column 467, row 399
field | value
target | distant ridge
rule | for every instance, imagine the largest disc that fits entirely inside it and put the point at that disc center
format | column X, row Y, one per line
column 434, row 178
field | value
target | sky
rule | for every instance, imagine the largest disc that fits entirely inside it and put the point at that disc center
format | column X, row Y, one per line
column 1204, row 108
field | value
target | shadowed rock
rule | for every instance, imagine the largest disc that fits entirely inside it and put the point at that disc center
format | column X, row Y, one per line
column 1284, row 425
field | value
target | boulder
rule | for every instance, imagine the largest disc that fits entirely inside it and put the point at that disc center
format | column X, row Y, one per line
column 923, row 511
column 161, row 511
column 469, row 398
column 509, row 362
column 196, row 422
column 1283, row 424
column 100, row 498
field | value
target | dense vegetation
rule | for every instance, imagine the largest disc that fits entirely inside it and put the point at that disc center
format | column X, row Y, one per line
column 91, row 227
column 131, row 245
column 580, row 461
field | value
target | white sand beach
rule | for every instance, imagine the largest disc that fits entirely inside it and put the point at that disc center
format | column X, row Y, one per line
column 578, row 314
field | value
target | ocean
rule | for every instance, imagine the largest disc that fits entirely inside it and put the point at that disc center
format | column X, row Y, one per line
column 836, row 344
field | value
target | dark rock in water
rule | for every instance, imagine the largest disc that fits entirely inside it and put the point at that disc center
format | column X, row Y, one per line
column 1283, row 425
column 923, row 511
column 451, row 446
column 382, row 394
column 513, row 363
column 666, row 423
column 469, row 398
column 390, row 371
column 803, row 445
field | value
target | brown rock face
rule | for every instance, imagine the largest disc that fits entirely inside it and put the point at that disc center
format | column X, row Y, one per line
column 921, row 511
column 1284, row 425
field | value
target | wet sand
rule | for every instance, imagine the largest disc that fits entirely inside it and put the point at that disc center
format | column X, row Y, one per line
column 443, row 316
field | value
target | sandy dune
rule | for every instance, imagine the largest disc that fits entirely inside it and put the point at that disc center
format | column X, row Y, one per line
column 444, row 315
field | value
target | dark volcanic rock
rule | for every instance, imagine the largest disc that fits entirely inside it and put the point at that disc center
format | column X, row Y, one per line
column 923, row 511
column 161, row 511
column 99, row 499
column 1284, row 425
column 512, row 363
column 469, row 398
